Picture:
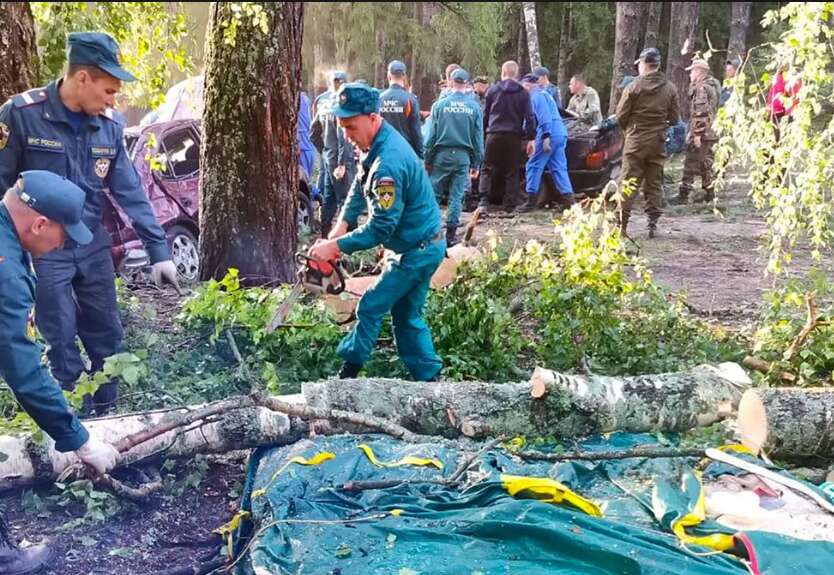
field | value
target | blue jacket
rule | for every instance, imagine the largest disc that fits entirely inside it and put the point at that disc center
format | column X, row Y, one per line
column 35, row 135
column 304, row 141
column 394, row 187
column 456, row 123
column 401, row 109
column 507, row 110
column 20, row 357
column 548, row 119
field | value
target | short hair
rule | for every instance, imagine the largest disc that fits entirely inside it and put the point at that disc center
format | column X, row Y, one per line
column 95, row 72
column 451, row 68
column 509, row 69
column 579, row 78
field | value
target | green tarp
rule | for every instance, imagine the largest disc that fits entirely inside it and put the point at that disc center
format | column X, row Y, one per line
column 304, row 522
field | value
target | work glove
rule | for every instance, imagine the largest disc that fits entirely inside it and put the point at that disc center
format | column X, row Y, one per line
column 165, row 271
column 546, row 145
column 99, row 455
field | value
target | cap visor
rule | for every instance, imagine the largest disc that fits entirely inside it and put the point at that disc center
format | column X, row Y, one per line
column 79, row 233
column 118, row 72
column 342, row 113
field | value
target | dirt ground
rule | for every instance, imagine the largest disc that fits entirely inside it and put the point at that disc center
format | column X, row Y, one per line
column 709, row 252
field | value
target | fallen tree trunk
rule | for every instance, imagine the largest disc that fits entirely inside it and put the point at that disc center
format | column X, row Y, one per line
column 572, row 406
column 788, row 421
column 29, row 462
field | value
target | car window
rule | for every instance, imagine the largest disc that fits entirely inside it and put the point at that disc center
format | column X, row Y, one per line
column 182, row 152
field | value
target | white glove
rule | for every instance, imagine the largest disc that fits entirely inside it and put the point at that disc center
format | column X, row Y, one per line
column 99, row 455
column 165, row 271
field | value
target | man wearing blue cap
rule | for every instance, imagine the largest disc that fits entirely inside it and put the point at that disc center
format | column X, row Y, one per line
column 404, row 217
column 543, row 78
column 455, row 148
column 38, row 213
column 400, row 108
column 69, row 128
column 548, row 147
column 338, row 165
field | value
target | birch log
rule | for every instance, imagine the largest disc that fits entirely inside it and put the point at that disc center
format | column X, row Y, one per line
column 789, row 422
column 571, row 406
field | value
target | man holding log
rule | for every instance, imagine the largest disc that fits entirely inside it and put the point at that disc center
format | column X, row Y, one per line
column 37, row 215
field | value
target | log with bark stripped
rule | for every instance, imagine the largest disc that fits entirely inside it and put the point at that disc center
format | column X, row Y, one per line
column 570, row 406
column 788, row 421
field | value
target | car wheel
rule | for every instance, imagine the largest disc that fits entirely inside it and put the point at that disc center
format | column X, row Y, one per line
column 306, row 214
column 184, row 253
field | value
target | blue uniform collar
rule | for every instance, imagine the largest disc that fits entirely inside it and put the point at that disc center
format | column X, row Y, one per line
column 53, row 109
column 379, row 141
column 9, row 232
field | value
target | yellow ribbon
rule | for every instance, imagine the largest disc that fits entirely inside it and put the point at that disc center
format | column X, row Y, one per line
column 408, row 460
column 549, row 491
column 317, row 459
column 229, row 528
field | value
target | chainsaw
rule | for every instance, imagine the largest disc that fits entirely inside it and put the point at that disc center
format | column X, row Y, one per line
column 314, row 276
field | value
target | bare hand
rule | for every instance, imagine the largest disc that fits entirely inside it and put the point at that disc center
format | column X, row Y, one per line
column 339, row 172
column 697, row 141
column 473, row 173
column 531, row 148
column 325, row 250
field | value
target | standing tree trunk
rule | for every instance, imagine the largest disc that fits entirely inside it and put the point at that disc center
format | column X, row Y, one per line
column 739, row 25
column 249, row 181
column 683, row 26
column 566, row 47
column 18, row 49
column 653, row 11
column 627, row 36
column 529, row 9
column 414, row 69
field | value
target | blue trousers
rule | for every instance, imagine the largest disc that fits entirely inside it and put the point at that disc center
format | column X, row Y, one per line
column 76, row 296
column 556, row 162
column 402, row 289
column 450, row 175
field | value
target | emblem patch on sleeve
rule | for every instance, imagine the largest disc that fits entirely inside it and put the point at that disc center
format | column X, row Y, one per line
column 102, row 167
column 4, row 135
column 386, row 192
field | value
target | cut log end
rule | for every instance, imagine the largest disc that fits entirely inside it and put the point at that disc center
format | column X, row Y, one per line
column 539, row 382
column 752, row 421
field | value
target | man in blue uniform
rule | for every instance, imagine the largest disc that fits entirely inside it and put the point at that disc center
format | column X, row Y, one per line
column 549, row 146
column 400, row 108
column 37, row 214
column 404, row 217
column 68, row 128
column 455, row 148
column 337, row 161
column 543, row 75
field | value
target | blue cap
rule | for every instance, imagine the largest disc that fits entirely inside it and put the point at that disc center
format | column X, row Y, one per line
column 459, row 76
column 396, row 68
column 356, row 99
column 532, row 78
column 97, row 49
column 338, row 75
column 649, row 55
column 734, row 62
column 56, row 198
column 541, row 71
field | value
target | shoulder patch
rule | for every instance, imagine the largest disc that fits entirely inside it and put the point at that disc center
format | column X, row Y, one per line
column 386, row 192
column 30, row 97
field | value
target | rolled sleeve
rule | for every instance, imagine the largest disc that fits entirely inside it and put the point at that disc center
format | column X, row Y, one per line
column 21, row 367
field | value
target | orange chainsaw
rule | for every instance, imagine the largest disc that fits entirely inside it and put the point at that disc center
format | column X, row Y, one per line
column 314, row 276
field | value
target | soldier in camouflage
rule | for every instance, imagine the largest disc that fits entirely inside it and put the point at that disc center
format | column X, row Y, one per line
column 703, row 105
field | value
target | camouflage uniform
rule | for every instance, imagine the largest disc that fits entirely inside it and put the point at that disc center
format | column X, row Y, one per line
column 703, row 105
column 647, row 105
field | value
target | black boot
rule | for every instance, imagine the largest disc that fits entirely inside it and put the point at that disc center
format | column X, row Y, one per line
column 104, row 400
column 530, row 205
column 681, row 199
column 451, row 233
column 17, row 561
column 349, row 370
column 709, row 195
column 652, row 229
column 566, row 201
column 623, row 223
